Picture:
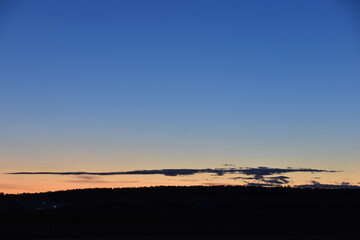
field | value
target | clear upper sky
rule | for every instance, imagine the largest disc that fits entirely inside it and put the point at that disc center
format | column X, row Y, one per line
column 124, row 85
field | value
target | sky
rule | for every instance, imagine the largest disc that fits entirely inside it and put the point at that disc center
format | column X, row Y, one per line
column 118, row 86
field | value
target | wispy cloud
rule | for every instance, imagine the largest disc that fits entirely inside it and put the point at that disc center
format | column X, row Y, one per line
column 315, row 184
column 258, row 176
column 229, row 165
column 277, row 180
column 252, row 184
column 257, row 173
column 86, row 179
column 216, row 184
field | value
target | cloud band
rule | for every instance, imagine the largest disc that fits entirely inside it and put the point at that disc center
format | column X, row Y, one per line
column 257, row 173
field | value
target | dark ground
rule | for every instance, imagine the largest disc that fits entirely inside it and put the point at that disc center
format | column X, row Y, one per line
column 221, row 212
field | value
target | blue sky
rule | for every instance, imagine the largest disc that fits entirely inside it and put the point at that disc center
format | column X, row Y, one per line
column 104, row 85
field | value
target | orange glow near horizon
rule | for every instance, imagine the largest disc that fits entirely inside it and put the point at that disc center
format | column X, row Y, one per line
column 13, row 184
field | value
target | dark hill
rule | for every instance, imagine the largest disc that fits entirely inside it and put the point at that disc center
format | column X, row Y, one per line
column 183, row 213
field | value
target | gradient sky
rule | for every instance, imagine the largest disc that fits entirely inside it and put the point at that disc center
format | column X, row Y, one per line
column 105, row 86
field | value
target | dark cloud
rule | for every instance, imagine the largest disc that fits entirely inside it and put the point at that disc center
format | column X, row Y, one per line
column 229, row 165
column 242, row 178
column 276, row 180
column 256, row 173
column 260, row 172
column 315, row 184
column 266, row 181
column 217, row 184
column 252, row 184
column 260, row 176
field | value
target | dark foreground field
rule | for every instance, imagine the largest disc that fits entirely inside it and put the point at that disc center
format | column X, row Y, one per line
column 220, row 212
